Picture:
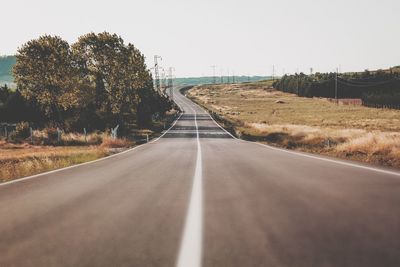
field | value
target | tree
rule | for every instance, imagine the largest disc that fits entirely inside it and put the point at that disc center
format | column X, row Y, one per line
column 118, row 75
column 44, row 73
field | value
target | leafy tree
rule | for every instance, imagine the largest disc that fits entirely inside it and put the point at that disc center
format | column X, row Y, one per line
column 96, row 83
column 44, row 73
column 118, row 76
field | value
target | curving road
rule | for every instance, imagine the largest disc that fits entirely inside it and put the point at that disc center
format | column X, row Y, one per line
column 198, row 197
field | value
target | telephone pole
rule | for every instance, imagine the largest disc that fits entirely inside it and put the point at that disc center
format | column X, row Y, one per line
column 273, row 74
column 297, row 74
column 163, row 79
column 156, row 73
column 171, row 82
column 336, row 86
column 214, row 77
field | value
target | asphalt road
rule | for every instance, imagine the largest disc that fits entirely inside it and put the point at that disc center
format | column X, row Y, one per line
column 198, row 197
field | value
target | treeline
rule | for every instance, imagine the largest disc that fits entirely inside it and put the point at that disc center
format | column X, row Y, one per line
column 380, row 88
column 382, row 100
column 95, row 83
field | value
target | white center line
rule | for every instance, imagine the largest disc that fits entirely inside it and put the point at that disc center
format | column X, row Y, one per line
column 190, row 253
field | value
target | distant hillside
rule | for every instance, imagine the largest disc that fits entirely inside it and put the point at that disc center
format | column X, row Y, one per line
column 6, row 65
column 210, row 80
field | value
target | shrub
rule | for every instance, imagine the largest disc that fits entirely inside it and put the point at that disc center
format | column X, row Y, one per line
column 52, row 134
column 22, row 130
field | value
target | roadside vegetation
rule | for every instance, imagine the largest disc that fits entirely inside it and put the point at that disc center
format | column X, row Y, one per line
column 256, row 112
column 19, row 160
column 75, row 103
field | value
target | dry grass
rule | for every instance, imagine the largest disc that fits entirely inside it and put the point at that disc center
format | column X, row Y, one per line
column 80, row 139
column 306, row 124
column 254, row 103
column 19, row 160
column 109, row 142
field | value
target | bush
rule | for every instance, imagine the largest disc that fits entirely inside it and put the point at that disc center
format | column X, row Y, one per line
column 22, row 130
column 52, row 134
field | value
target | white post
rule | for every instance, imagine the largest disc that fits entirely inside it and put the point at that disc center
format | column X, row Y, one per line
column 58, row 135
column 31, row 132
column 114, row 132
column 147, row 138
column 84, row 131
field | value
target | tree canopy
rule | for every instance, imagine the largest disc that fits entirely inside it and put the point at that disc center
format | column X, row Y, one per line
column 98, row 81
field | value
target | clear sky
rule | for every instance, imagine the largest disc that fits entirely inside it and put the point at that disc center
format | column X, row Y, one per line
column 246, row 37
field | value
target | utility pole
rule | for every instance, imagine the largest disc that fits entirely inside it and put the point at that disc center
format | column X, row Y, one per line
column 336, row 86
column 214, row 77
column 273, row 74
column 163, row 79
column 297, row 74
column 156, row 73
column 171, row 82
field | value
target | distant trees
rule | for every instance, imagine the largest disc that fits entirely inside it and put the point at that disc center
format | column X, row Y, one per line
column 373, row 87
column 95, row 83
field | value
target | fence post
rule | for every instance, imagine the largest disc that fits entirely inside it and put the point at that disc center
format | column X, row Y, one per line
column 84, row 131
column 58, row 135
column 31, row 132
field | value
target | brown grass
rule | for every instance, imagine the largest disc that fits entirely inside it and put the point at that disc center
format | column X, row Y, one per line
column 109, row 142
column 19, row 160
column 306, row 124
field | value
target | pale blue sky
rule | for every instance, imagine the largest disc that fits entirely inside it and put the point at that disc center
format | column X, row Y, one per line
column 246, row 37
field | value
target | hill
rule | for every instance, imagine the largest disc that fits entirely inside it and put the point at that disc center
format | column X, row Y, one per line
column 6, row 65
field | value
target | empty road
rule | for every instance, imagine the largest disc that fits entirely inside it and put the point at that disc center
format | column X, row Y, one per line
column 198, row 197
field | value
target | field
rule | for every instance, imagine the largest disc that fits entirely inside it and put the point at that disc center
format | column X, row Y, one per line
column 257, row 112
column 24, row 159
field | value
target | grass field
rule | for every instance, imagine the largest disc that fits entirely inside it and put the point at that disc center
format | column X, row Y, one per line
column 23, row 160
column 257, row 112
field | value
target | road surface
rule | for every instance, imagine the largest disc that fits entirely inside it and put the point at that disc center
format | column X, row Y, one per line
column 198, row 197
